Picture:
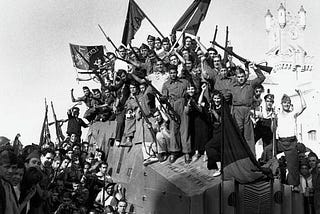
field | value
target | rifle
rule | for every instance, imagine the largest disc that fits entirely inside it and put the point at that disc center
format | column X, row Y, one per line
column 274, row 129
column 58, row 121
column 149, row 125
column 225, row 56
column 215, row 35
column 170, row 111
column 246, row 62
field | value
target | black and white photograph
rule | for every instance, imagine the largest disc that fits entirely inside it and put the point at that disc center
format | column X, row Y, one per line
column 159, row 107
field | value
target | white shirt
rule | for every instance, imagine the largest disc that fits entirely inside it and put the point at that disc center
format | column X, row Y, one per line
column 157, row 79
column 286, row 124
column 108, row 199
column 304, row 182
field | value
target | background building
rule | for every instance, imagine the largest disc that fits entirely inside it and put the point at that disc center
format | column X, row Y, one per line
column 293, row 69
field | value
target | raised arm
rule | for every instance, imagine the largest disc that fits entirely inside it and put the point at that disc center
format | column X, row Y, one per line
column 260, row 76
column 138, row 79
column 179, row 56
column 201, row 46
column 206, row 71
column 72, row 96
column 203, row 87
column 303, row 104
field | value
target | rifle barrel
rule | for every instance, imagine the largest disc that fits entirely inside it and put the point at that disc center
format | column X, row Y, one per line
column 267, row 69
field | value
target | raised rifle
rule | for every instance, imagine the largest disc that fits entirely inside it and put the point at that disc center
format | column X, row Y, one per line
column 245, row 61
column 225, row 55
column 149, row 125
column 215, row 35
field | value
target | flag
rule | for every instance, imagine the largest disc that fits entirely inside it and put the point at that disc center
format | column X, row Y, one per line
column 45, row 128
column 196, row 12
column 238, row 161
column 17, row 145
column 133, row 22
column 87, row 57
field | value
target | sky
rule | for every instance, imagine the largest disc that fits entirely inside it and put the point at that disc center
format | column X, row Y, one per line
column 35, row 61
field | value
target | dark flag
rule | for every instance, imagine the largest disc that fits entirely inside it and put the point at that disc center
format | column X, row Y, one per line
column 133, row 22
column 196, row 12
column 86, row 57
column 238, row 161
column 17, row 145
column 45, row 128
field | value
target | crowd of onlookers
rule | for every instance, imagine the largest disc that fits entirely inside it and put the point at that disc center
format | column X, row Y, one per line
column 57, row 179
column 170, row 101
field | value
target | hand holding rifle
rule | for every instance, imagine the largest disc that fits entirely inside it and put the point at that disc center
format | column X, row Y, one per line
column 252, row 65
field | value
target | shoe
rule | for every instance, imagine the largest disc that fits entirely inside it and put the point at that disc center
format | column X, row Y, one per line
column 196, row 157
column 187, row 158
column 205, row 157
column 162, row 157
column 173, row 158
column 150, row 161
column 216, row 173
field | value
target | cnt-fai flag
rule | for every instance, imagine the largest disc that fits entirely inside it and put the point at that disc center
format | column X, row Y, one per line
column 238, row 161
column 196, row 12
column 133, row 22
column 87, row 57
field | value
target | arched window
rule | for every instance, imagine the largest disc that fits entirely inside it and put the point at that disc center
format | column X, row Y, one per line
column 312, row 135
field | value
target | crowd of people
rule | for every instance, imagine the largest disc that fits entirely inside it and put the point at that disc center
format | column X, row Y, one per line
column 170, row 101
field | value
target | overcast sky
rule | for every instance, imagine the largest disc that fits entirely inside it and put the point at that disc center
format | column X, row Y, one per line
column 35, row 59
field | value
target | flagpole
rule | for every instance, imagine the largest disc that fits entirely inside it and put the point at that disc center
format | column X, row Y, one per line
column 56, row 124
column 184, row 29
column 148, row 19
column 108, row 39
column 222, row 157
column 44, row 123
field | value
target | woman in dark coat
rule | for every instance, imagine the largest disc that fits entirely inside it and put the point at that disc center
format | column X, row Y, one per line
column 200, row 125
column 213, row 146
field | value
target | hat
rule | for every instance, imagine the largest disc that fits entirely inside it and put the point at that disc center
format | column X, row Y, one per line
column 304, row 162
column 285, row 98
column 166, row 39
column 150, row 38
column 122, row 47
column 212, row 49
column 269, row 96
column 34, row 154
column 110, row 184
column 8, row 157
column 144, row 46
column 4, row 141
column 158, row 39
column 301, row 148
column 172, row 67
